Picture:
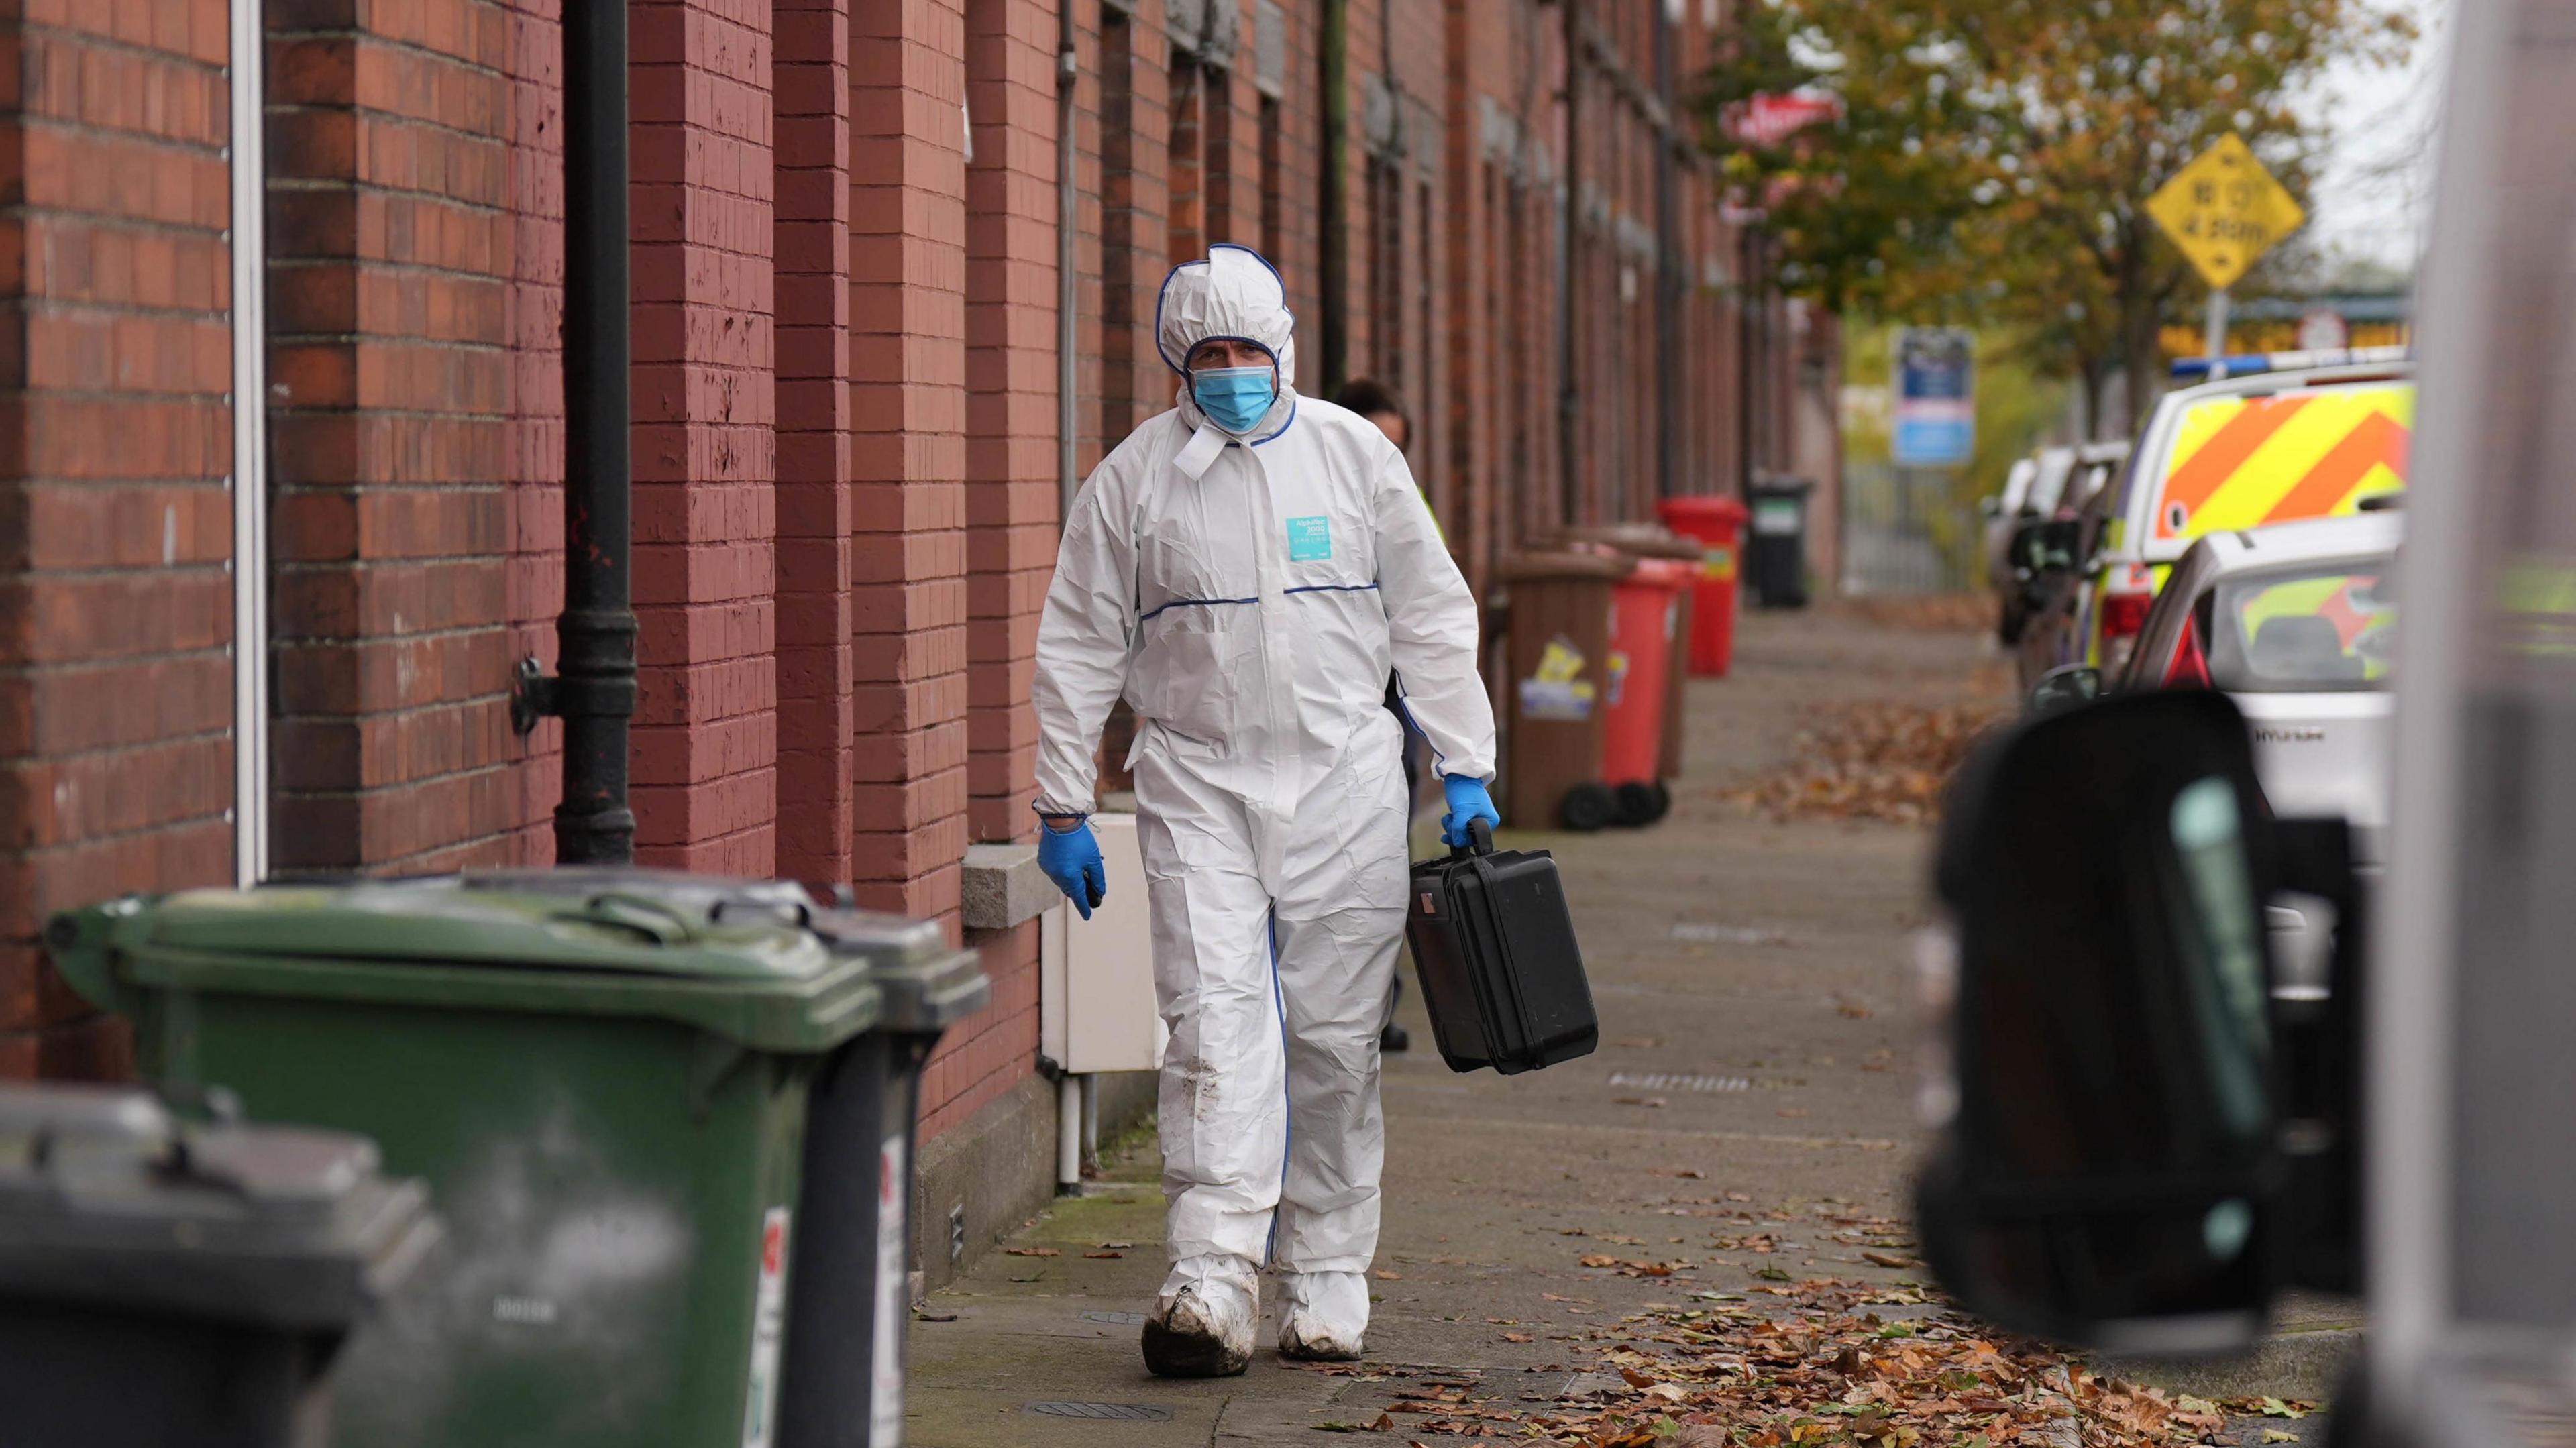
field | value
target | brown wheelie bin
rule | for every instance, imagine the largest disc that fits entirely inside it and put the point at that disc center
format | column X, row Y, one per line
column 1559, row 646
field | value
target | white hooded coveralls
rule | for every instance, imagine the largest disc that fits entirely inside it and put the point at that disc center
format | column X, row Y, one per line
column 1248, row 596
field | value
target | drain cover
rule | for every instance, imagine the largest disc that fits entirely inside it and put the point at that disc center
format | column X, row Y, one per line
column 1707, row 934
column 1677, row 1081
column 1102, row 1412
column 1116, row 1319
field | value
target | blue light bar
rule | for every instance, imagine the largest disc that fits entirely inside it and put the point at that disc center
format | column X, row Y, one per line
column 2252, row 362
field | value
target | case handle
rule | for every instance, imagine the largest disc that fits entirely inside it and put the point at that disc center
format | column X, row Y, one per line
column 1480, row 840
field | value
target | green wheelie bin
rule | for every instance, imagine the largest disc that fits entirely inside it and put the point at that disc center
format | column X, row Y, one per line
column 607, row 1094
column 848, row 1298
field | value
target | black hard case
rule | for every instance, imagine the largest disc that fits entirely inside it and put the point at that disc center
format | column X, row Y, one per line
column 1501, row 973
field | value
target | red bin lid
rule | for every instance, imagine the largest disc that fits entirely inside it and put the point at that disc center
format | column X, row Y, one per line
column 1703, row 508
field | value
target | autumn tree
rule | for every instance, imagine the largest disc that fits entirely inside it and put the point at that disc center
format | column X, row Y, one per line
column 1992, row 159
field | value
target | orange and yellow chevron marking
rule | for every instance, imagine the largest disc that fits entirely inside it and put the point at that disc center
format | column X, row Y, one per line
column 2243, row 462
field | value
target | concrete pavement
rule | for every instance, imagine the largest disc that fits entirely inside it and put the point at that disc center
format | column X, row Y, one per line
column 1746, row 1119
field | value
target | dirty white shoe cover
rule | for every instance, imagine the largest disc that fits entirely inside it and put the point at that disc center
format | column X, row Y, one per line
column 1323, row 1316
column 1201, row 1325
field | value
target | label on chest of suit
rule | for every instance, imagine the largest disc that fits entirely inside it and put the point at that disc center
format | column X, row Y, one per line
column 1309, row 539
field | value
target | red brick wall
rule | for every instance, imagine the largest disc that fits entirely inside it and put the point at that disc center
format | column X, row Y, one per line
column 1011, row 396
column 115, row 691
column 387, row 388
column 908, row 404
column 816, row 787
column 705, row 388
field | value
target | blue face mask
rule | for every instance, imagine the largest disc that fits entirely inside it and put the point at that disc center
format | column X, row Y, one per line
column 1234, row 398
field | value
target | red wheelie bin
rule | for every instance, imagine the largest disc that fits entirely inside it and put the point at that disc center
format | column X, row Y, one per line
column 1645, row 621
column 1718, row 524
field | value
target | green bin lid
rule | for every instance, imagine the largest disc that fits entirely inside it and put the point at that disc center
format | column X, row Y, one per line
column 759, row 981
column 928, row 984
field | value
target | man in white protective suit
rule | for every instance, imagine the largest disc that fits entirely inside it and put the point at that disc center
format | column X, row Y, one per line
column 1245, row 569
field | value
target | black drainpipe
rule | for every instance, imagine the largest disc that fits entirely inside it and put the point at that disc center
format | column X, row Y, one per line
column 594, row 690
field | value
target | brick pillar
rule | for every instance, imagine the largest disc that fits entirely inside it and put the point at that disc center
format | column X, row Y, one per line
column 387, row 378
column 115, row 611
column 908, row 453
column 1010, row 405
column 1135, row 135
column 706, row 717
column 812, row 106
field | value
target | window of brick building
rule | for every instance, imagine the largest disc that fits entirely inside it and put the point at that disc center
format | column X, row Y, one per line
column 1225, row 207
column 1386, row 268
column 1188, row 172
column 1274, row 201
column 1118, row 299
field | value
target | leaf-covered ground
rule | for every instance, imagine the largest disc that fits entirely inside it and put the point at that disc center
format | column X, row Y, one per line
column 1873, row 760
column 1789, row 1364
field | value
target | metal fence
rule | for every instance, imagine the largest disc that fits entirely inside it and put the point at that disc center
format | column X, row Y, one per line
column 1905, row 531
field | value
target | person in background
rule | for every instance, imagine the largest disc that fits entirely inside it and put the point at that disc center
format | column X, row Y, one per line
column 1377, row 402
column 1245, row 569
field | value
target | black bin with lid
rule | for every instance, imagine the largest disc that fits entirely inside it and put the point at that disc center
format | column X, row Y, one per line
column 165, row 1282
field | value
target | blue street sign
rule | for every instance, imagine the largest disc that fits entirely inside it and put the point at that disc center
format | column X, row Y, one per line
column 1936, row 399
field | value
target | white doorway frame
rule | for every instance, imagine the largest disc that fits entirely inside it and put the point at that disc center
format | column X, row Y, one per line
column 249, row 479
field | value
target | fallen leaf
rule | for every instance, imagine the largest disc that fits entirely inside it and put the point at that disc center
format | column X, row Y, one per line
column 1636, row 1379
column 1117, row 1246
column 1516, row 1337
column 1387, row 1274
column 1870, row 760
column 1889, row 1259
column 1104, row 1256
column 2275, row 1435
column 1649, row 1101
column 1032, row 1252
column 1688, row 1173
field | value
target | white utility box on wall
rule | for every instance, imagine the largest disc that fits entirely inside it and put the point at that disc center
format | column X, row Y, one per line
column 1096, row 976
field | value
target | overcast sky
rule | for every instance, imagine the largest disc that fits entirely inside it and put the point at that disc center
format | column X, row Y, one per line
column 2371, row 197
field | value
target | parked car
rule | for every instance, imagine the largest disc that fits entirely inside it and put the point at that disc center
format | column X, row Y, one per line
column 2293, row 622
column 2049, row 545
column 2003, row 512
column 2224, row 456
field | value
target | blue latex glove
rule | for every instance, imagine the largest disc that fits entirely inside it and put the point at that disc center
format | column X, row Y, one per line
column 1468, row 801
column 1071, row 858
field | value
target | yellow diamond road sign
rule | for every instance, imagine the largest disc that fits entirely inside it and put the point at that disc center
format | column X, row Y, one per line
column 2224, row 210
